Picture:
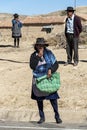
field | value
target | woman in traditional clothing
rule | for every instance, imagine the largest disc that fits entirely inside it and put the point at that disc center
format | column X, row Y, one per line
column 43, row 62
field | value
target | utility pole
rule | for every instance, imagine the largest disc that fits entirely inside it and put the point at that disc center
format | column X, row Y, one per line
column 75, row 4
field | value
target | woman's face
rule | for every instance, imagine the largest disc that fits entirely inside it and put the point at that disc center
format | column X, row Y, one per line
column 40, row 47
column 16, row 19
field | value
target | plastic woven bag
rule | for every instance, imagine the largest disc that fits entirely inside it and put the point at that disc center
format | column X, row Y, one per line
column 49, row 85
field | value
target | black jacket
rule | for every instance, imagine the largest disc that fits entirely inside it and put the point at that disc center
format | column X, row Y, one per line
column 77, row 26
column 34, row 59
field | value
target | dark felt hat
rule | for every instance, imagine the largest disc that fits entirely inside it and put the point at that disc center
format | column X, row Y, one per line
column 16, row 15
column 41, row 41
column 71, row 9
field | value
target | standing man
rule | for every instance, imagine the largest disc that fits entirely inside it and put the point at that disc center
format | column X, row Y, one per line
column 16, row 30
column 73, row 28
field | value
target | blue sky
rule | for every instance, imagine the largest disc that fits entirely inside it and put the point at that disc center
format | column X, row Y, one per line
column 34, row 7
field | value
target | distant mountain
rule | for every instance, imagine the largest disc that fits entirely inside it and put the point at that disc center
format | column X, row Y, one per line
column 82, row 9
column 6, row 16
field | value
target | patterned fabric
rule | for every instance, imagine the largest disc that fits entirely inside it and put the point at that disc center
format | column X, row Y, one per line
column 46, row 62
column 48, row 85
column 15, row 21
column 16, row 28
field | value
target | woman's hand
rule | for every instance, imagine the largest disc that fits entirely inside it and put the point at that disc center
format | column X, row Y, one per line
column 49, row 73
column 40, row 54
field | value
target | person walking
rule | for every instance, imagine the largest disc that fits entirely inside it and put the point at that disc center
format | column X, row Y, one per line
column 73, row 28
column 43, row 62
column 16, row 30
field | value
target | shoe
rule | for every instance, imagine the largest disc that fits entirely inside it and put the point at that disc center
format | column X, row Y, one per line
column 41, row 121
column 76, row 63
column 67, row 63
column 58, row 121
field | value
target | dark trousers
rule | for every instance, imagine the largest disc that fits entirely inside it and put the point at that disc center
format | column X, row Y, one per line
column 16, row 40
column 54, row 105
column 72, row 46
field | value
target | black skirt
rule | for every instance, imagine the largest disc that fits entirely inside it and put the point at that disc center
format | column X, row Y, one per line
column 51, row 96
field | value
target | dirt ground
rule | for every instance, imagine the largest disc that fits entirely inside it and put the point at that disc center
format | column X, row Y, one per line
column 15, row 86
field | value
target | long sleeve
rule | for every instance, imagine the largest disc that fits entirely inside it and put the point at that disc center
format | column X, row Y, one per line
column 34, row 59
column 79, row 25
column 54, row 67
column 20, row 24
column 66, row 27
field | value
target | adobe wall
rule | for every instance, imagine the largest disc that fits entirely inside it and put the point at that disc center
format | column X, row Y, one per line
column 29, row 33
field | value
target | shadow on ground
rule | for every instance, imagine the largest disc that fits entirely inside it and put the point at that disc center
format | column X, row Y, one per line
column 14, row 61
column 83, row 60
column 6, row 46
column 61, row 62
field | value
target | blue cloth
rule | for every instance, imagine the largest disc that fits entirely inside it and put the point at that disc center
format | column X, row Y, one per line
column 15, row 21
column 41, row 70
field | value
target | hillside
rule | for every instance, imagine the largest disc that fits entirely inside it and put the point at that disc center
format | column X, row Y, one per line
column 83, row 9
column 6, row 16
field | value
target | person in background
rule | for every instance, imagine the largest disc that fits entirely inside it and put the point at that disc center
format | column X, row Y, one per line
column 43, row 62
column 73, row 28
column 16, row 30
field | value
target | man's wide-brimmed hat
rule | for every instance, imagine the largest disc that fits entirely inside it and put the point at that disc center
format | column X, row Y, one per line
column 41, row 41
column 71, row 9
